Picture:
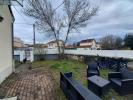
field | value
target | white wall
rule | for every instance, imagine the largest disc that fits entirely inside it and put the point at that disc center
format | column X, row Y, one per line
column 22, row 54
column 6, row 60
column 52, row 51
column 48, row 51
column 103, row 53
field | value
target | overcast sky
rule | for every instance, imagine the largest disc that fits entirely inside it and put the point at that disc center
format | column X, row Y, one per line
column 114, row 17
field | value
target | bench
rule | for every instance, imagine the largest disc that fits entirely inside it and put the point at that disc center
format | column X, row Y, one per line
column 74, row 90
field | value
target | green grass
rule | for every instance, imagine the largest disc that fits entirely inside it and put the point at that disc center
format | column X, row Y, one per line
column 63, row 66
column 79, row 73
column 104, row 73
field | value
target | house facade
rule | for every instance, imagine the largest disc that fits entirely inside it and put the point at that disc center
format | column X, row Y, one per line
column 18, row 43
column 87, row 44
column 90, row 44
column 6, row 42
column 53, row 44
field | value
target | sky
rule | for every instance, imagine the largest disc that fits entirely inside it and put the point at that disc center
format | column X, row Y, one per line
column 113, row 17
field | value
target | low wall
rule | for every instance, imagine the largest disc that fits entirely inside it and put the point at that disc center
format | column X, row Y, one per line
column 127, row 54
column 53, row 54
column 20, row 55
column 46, row 57
column 17, row 57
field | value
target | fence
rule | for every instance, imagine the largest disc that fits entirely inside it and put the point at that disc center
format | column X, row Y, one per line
column 19, row 55
column 52, row 53
column 128, row 54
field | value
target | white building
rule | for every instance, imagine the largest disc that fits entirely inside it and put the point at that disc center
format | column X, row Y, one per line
column 88, row 44
column 53, row 44
column 18, row 43
column 6, row 42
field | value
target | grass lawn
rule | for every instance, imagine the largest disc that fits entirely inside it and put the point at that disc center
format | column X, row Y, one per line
column 79, row 73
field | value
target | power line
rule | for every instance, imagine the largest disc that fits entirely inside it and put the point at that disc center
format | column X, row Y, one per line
column 34, row 38
column 23, row 23
column 20, row 14
column 59, row 6
column 25, row 19
column 32, row 24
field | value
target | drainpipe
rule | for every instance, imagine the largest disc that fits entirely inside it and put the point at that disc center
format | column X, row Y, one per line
column 13, row 62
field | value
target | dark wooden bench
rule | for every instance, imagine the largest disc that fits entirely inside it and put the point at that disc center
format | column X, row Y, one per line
column 74, row 90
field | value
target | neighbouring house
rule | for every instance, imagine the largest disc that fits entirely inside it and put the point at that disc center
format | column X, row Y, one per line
column 36, row 45
column 40, row 49
column 6, row 41
column 53, row 44
column 69, row 47
column 89, row 44
column 41, row 45
column 18, row 43
column 21, row 50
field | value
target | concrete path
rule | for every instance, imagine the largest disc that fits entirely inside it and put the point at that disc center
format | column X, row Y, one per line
column 29, row 85
column 23, row 67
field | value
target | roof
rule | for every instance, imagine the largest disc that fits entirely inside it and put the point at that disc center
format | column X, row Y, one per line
column 41, row 45
column 87, row 40
column 69, row 46
column 86, row 46
column 54, row 41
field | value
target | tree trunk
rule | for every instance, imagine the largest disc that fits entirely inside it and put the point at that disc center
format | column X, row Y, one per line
column 59, row 55
column 63, row 51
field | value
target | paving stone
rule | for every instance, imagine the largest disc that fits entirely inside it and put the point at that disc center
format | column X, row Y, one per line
column 29, row 85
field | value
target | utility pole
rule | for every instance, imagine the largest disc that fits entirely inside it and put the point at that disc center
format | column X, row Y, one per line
column 34, row 35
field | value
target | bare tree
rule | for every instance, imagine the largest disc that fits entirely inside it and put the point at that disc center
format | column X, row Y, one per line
column 110, row 42
column 40, row 52
column 76, row 13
